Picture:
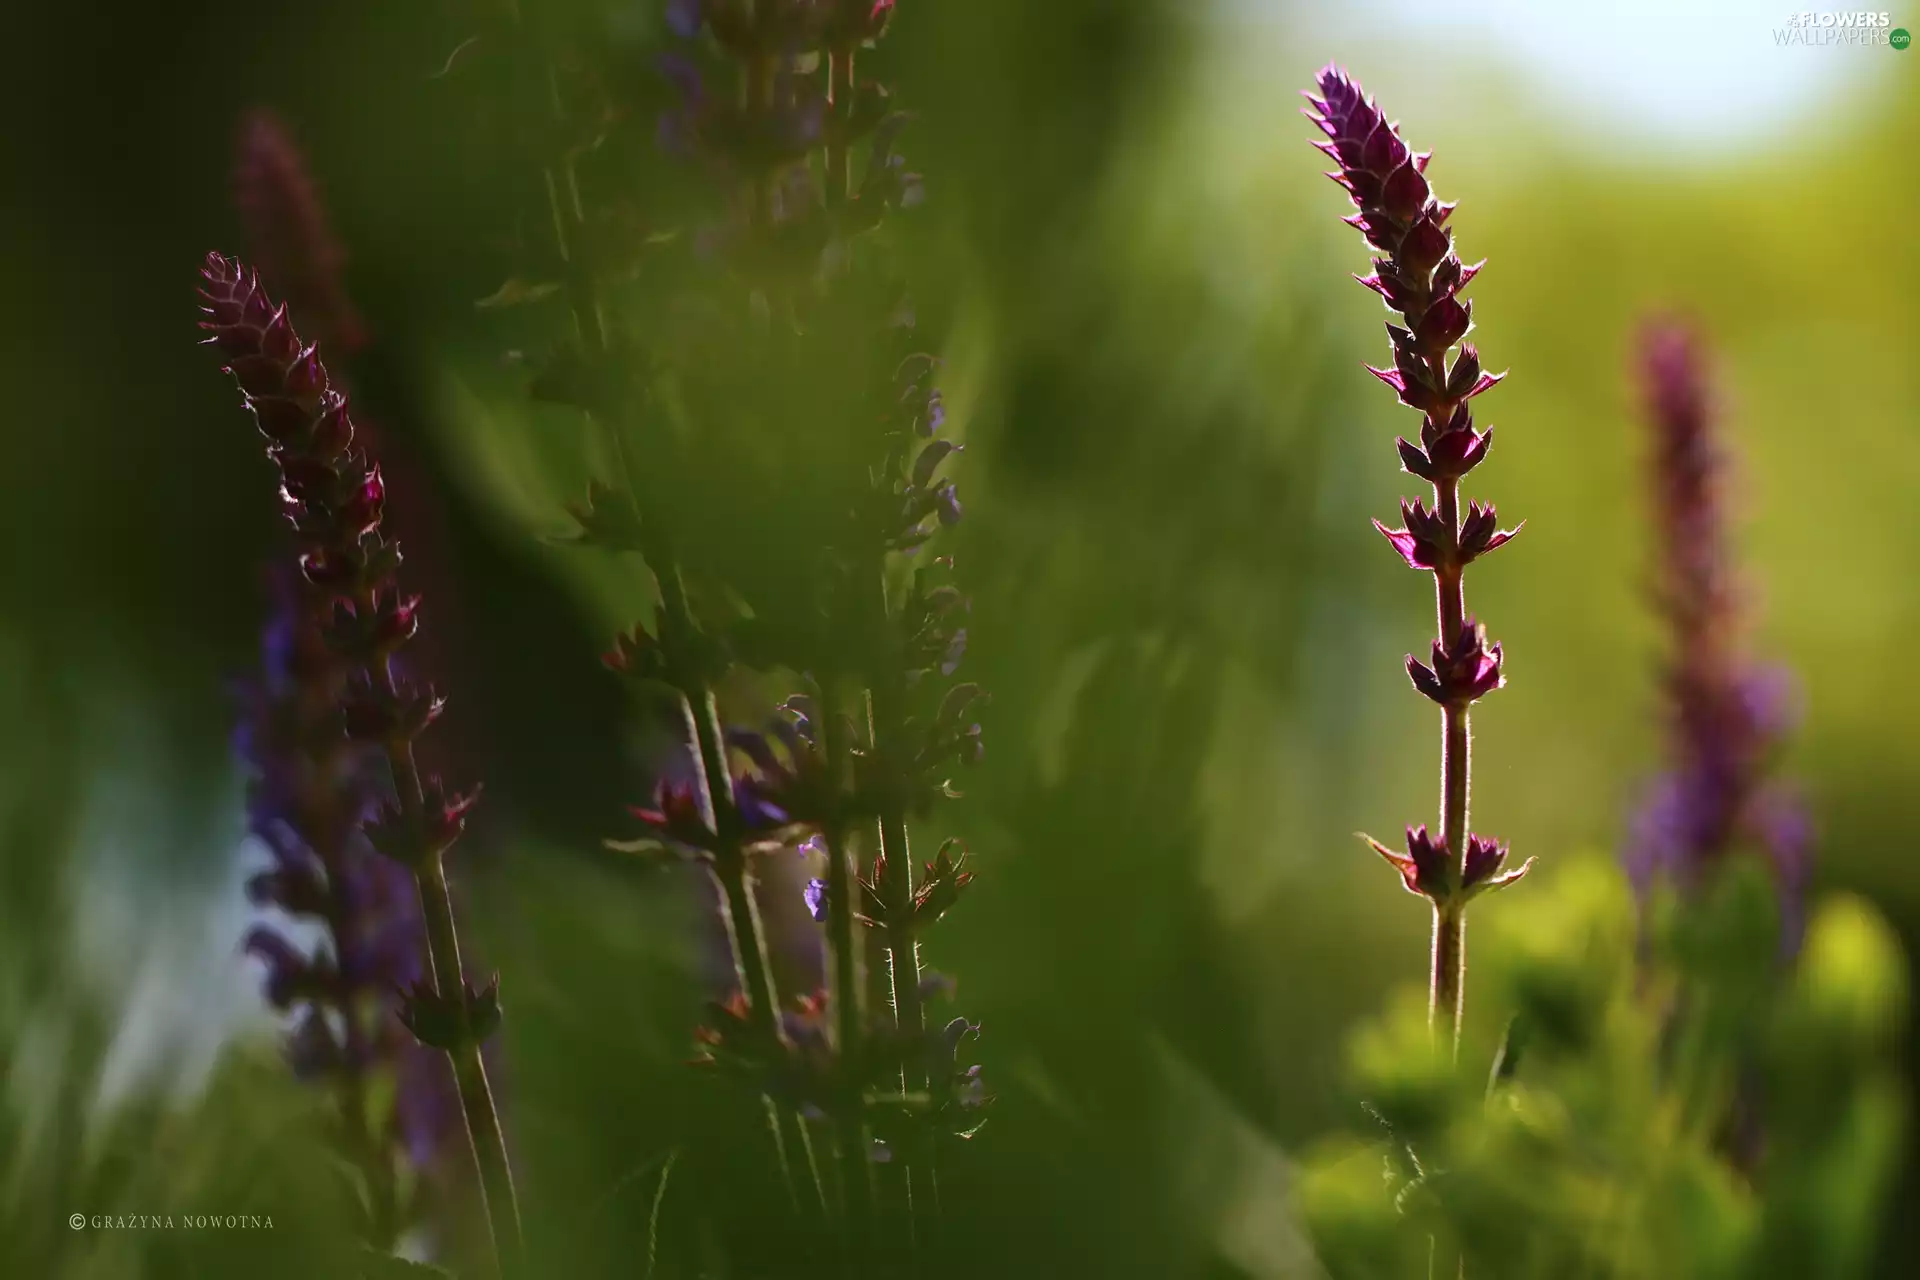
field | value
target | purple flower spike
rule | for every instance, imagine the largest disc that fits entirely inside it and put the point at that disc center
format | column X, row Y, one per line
column 801, row 146
column 1419, row 276
column 684, row 18
column 349, row 620
column 311, row 790
column 1727, row 714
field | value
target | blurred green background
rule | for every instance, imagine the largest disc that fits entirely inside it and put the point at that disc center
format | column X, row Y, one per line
column 1192, row 637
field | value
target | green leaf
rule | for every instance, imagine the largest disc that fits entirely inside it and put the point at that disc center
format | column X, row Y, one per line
column 517, row 292
column 606, row 519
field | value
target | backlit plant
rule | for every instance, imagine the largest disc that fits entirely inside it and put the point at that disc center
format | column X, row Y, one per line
column 1420, row 276
column 347, row 623
column 782, row 316
column 1727, row 714
column 1651, row 1109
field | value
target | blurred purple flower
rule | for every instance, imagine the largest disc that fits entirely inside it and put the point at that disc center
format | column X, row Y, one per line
column 1727, row 714
column 332, row 702
column 684, row 18
column 311, row 791
column 293, row 244
column 742, row 139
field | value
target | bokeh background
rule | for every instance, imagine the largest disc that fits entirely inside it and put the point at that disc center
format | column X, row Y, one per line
column 1192, row 636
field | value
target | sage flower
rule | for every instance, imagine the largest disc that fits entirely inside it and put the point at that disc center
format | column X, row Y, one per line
column 1420, row 277
column 1727, row 714
column 334, row 498
column 310, row 792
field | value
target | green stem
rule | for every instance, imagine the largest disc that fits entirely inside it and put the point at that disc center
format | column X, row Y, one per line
column 730, row 865
column 1448, row 991
column 742, row 916
column 909, row 1015
column 852, row 1139
column 903, row 950
column 677, row 625
column 1456, row 759
column 1447, row 1003
column 839, row 101
column 903, row 973
column 445, row 972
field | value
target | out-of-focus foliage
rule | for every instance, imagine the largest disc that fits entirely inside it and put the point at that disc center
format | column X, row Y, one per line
column 121, row 1184
column 1679, row 1104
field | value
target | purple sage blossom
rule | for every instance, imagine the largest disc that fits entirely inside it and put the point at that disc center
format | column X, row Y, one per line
column 778, row 216
column 311, row 791
column 1420, row 277
column 800, row 153
column 291, row 240
column 1727, row 714
column 334, row 498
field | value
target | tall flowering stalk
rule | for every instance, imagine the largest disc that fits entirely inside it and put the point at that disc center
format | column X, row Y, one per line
column 888, row 633
column 292, row 245
column 1420, row 276
column 788, row 322
column 597, row 370
column 1727, row 713
column 311, row 792
column 348, row 588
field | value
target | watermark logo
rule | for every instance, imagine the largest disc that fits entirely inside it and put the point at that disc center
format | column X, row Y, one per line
column 170, row 1221
column 1847, row 26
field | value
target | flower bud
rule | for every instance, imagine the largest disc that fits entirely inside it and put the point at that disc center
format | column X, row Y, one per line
column 1462, row 673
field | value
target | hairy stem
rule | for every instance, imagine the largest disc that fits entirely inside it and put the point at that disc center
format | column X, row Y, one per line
column 1448, row 991
column 852, row 1138
column 676, row 622
column 839, row 99
column 903, row 977
column 903, row 972
column 448, row 977
column 903, row 950
column 741, row 918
